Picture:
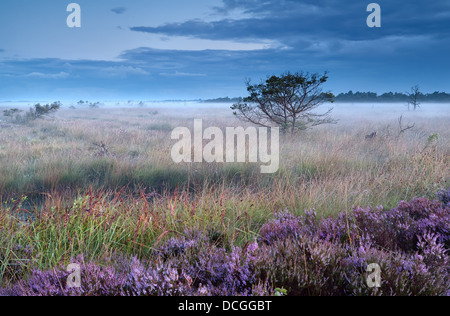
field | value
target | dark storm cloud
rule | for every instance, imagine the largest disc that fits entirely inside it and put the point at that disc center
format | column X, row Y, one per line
column 288, row 19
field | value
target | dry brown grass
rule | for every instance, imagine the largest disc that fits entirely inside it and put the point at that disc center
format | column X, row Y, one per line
column 328, row 168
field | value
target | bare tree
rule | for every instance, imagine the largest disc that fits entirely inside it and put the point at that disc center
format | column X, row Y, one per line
column 413, row 98
column 286, row 101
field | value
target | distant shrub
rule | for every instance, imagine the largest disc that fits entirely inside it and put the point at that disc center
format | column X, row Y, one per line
column 94, row 105
column 13, row 114
column 40, row 111
column 36, row 112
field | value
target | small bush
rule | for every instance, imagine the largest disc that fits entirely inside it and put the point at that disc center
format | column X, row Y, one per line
column 36, row 112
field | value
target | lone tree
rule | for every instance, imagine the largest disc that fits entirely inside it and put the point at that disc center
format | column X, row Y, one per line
column 413, row 98
column 286, row 101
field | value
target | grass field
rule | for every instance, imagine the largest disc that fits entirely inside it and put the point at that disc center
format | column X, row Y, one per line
column 101, row 181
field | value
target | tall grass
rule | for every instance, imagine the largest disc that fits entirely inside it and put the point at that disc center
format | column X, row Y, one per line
column 315, row 166
column 100, row 224
column 132, row 197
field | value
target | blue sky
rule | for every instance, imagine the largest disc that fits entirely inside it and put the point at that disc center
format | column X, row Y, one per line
column 181, row 49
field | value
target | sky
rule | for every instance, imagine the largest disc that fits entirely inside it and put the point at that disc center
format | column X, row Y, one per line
column 190, row 49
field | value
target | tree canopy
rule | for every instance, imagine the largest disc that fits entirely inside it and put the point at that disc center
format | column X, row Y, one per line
column 286, row 101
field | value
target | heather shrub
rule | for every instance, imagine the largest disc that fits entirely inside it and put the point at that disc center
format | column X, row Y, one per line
column 396, row 229
column 303, row 255
column 96, row 281
column 221, row 274
column 444, row 196
column 137, row 279
column 330, row 257
column 303, row 266
column 434, row 253
column 162, row 280
column 283, row 226
column 212, row 268
column 401, row 275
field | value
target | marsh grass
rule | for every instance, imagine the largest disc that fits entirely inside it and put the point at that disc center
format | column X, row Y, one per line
column 101, row 224
column 135, row 198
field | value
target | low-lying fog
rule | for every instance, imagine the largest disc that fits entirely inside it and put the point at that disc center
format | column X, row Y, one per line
column 362, row 111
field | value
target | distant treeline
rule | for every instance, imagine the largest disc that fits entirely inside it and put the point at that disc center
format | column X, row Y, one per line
column 391, row 97
column 356, row 97
column 223, row 100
